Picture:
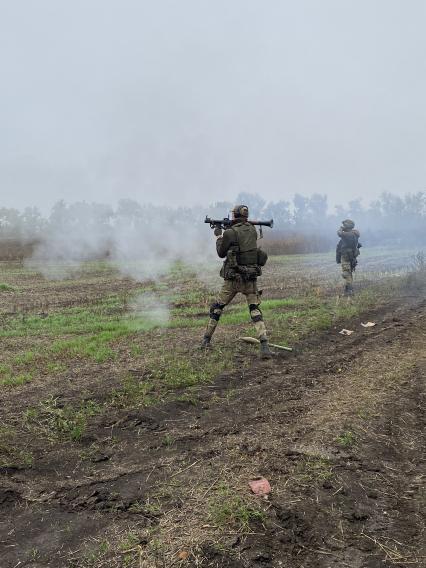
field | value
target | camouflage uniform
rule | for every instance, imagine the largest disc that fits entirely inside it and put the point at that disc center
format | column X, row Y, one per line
column 347, row 252
column 347, row 273
column 240, row 275
column 229, row 290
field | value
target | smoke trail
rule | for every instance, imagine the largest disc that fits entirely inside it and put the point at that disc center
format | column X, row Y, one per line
column 148, row 311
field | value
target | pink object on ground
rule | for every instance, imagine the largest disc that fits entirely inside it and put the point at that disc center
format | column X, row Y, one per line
column 260, row 486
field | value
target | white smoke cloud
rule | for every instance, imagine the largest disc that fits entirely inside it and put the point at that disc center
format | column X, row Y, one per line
column 144, row 243
column 149, row 311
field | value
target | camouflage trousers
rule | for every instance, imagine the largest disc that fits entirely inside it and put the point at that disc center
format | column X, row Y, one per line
column 347, row 272
column 229, row 290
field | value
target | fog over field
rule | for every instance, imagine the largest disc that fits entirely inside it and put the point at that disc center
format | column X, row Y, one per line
column 190, row 102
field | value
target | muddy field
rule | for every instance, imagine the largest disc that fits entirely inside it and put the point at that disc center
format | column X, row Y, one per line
column 122, row 445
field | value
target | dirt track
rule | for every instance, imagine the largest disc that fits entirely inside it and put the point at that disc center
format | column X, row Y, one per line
column 337, row 429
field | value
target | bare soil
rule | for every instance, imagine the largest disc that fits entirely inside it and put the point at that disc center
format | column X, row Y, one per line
column 337, row 429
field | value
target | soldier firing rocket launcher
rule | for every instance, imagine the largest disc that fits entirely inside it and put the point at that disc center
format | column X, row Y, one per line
column 226, row 223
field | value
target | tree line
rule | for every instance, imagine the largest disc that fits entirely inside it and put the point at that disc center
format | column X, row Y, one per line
column 389, row 220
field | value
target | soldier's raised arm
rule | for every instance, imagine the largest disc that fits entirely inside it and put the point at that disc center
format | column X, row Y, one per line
column 224, row 242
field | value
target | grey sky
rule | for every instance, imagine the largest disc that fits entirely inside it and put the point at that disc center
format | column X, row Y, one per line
column 195, row 100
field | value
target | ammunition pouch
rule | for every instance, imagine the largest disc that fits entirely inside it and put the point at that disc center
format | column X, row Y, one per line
column 244, row 273
column 229, row 269
column 232, row 258
column 248, row 273
column 228, row 273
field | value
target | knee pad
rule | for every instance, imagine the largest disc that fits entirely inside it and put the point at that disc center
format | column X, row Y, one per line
column 255, row 313
column 216, row 310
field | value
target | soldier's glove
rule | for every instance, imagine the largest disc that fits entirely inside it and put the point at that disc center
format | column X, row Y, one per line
column 218, row 232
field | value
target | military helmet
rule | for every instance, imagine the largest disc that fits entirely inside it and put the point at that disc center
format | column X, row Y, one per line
column 240, row 211
column 348, row 224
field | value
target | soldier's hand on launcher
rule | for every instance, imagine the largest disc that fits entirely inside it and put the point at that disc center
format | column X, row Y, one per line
column 218, row 232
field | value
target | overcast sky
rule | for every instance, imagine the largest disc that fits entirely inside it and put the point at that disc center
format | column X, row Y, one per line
column 195, row 100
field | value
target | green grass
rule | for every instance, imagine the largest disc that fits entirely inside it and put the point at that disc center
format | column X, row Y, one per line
column 167, row 374
column 94, row 334
column 25, row 358
column 314, row 469
column 94, row 556
column 289, row 319
column 53, row 367
column 95, row 347
column 133, row 392
column 347, row 439
column 77, row 321
column 107, row 331
column 10, row 454
column 57, row 422
column 235, row 314
column 227, row 509
column 5, row 369
column 16, row 380
column 6, row 287
column 128, row 547
column 70, row 321
column 168, row 441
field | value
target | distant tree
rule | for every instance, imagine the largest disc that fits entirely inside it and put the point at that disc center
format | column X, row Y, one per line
column 356, row 210
column 415, row 203
column 59, row 215
column 83, row 230
column 318, row 206
column 301, row 210
column 280, row 213
column 10, row 223
column 129, row 212
column 33, row 224
column 340, row 213
column 391, row 205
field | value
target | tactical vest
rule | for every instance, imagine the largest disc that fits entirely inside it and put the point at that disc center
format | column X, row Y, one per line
column 246, row 239
column 242, row 257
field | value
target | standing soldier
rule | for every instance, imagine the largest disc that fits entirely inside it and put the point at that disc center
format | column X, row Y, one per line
column 242, row 266
column 347, row 252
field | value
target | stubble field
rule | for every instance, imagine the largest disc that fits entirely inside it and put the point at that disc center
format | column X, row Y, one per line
column 122, row 444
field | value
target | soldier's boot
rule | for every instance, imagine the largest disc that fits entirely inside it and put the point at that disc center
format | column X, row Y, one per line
column 265, row 352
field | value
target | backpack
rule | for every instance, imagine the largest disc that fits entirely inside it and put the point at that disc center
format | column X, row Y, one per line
column 244, row 260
